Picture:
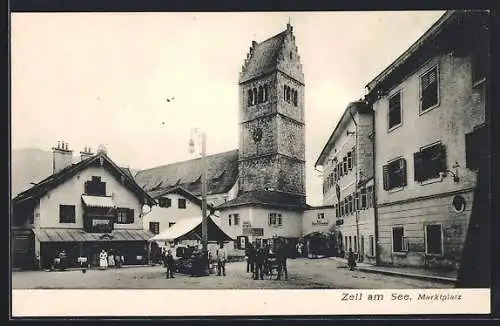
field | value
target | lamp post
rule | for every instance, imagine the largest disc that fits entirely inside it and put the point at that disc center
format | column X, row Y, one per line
column 204, row 226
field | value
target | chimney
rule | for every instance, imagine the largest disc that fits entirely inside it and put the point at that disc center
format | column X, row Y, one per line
column 62, row 156
column 86, row 153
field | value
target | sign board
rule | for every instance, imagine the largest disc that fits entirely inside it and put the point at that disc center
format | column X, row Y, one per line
column 242, row 242
column 246, row 224
column 258, row 232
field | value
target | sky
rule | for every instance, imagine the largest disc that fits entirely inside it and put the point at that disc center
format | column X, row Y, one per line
column 139, row 83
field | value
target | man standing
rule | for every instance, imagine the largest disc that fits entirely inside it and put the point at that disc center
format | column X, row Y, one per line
column 221, row 256
column 170, row 264
column 250, row 253
column 259, row 263
column 281, row 260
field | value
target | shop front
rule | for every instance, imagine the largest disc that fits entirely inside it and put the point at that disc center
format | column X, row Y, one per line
column 131, row 244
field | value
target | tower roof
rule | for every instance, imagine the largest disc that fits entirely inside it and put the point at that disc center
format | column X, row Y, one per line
column 263, row 57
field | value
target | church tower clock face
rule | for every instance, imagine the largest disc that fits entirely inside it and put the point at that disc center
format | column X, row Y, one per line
column 257, row 135
column 272, row 126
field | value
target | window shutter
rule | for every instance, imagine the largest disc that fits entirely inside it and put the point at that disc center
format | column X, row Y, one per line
column 385, row 170
column 442, row 158
column 417, row 160
column 402, row 171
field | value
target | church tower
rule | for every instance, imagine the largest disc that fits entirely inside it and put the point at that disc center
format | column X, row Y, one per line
column 272, row 129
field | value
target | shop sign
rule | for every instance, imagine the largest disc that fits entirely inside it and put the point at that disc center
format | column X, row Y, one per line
column 258, row 232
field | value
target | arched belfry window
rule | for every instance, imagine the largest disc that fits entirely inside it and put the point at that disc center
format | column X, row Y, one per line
column 284, row 92
column 287, row 94
column 261, row 94
column 295, row 95
column 254, row 101
column 266, row 92
column 249, row 97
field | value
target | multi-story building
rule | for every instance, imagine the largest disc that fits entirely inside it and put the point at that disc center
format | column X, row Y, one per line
column 347, row 164
column 429, row 105
column 81, row 208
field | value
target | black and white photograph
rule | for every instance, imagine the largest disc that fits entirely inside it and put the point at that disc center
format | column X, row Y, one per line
column 329, row 150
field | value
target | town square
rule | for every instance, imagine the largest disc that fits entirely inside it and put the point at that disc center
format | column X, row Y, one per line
column 176, row 162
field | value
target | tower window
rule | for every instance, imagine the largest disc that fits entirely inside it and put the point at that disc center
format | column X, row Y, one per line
column 295, row 95
column 266, row 92
column 261, row 95
column 250, row 95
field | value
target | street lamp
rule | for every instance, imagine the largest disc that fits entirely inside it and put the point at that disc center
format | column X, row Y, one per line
column 204, row 226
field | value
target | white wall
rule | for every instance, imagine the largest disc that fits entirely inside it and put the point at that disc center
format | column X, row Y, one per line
column 456, row 115
column 310, row 222
column 166, row 215
column 70, row 192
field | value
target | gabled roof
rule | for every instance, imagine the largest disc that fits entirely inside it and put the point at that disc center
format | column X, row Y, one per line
column 263, row 58
column 222, row 175
column 353, row 107
column 54, row 180
column 267, row 198
column 180, row 191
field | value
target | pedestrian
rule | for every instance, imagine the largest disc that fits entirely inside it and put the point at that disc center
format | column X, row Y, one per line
column 103, row 259
column 281, row 256
column 170, row 264
column 221, row 256
column 117, row 260
column 122, row 260
column 351, row 262
column 250, row 253
column 259, row 263
column 111, row 259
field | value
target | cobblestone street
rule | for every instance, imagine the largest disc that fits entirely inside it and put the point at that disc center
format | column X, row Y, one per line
column 302, row 274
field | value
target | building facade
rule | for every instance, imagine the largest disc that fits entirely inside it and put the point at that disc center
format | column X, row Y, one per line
column 428, row 105
column 347, row 163
column 82, row 208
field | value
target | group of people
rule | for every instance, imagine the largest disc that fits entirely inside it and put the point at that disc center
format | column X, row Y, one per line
column 197, row 261
column 261, row 260
column 110, row 259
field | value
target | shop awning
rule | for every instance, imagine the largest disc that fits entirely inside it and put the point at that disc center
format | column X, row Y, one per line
column 67, row 235
column 190, row 229
column 98, row 201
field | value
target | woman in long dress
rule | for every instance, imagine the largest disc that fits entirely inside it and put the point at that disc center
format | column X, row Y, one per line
column 103, row 260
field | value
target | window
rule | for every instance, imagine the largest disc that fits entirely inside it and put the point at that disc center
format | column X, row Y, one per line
column 372, row 245
column 369, row 196
column 165, row 202
column 341, row 171
column 399, row 241
column 346, row 206
column 154, row 227
column 395, row 110
column 124, row 216
column 433, row 239
column 182, row 203
column 429, row 162
column 261, row 94
column 475, row 149
column 363, row 198
column 479, row 63
column 350, row 204
column 236, row 218
column 321, row 216
column 250, row 95
column 349, row 160
column 295, row 96
column 429, row 94
column 66, row 213
column 394, row 174
column 275, row 219
column 95, row 187
column 170, row 224
column 266, row 93
column 345, row 165
column 230, row 220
